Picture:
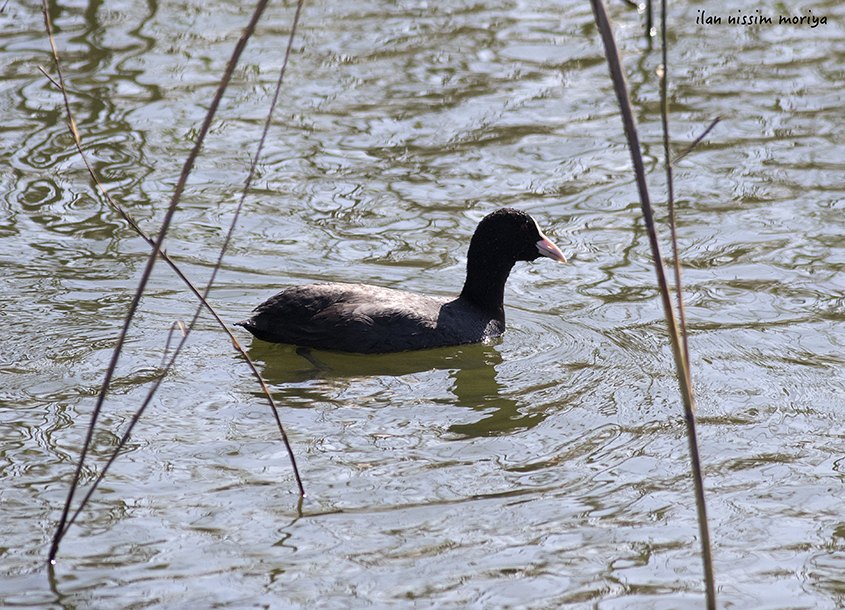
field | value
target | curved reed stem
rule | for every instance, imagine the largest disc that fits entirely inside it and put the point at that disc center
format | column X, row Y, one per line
column 64, row 522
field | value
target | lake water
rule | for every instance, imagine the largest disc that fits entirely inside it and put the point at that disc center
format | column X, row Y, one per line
column 548, row 469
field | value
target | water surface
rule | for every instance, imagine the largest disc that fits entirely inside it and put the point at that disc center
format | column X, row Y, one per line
column 545, row 470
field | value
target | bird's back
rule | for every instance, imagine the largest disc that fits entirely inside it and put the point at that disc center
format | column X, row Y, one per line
column 368, row 319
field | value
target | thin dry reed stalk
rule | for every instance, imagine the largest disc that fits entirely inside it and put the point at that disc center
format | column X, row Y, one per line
column 679, row 349
column 64, row 522
column 692, row 436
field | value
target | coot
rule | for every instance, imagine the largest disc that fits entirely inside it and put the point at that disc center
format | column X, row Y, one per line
column 372, row 320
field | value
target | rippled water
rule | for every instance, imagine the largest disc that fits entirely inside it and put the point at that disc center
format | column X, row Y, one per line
column 548, row 469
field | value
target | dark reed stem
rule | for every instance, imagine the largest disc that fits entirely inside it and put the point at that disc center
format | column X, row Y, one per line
column 697, row 141
column 681, row 362
column 663, row 75
column 126, row 435
column 692, row 436
column 63, row 524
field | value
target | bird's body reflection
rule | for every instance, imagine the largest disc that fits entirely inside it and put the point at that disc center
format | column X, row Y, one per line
column 471, row 367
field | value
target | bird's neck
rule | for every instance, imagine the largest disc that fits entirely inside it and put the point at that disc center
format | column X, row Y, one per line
column 485, row 287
